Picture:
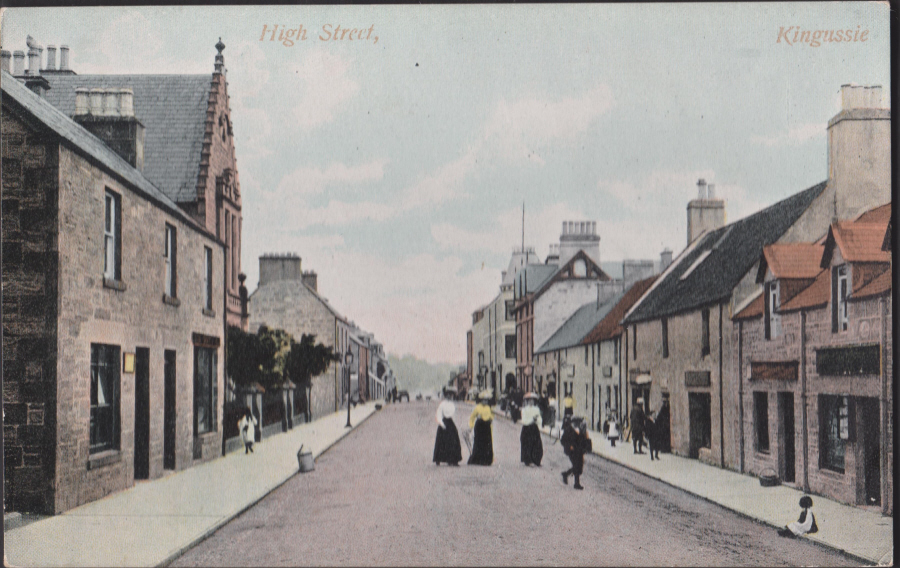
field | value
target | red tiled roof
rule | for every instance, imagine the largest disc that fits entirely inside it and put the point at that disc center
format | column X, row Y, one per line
column 609, row 326
column 815, row 295
column 793, row 260
column 753, row 309
column 857, row 241
column 878, row 285
column 877, row 215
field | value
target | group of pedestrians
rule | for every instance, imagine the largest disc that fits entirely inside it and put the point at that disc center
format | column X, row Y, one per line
column 655, row 429
column 447, row 448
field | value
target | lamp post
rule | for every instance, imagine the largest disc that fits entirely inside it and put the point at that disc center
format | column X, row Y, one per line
column 348, row 361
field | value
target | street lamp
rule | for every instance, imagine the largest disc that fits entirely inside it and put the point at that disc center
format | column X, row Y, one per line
column 348, row 361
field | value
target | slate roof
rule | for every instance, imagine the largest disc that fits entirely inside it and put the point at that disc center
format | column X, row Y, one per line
column 88, row 144
column 610, row 325
column 727, row 254
column 791, row 260
column 574, row 330
column 172, row 109
column 534, row 276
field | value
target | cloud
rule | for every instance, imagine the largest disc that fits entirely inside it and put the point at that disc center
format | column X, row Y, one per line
column 307, row 180
column 444, row 184
column 521, row 127
column 796, row 136
column 324, row 82
column 340, row 213
column 542, row 228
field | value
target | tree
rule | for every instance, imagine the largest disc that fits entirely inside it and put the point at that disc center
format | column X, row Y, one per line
column 245, row 357
column 306, row 360
column 274, row 346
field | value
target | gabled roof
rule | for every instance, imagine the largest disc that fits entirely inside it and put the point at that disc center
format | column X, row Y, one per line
column 300, row 286
column 89, row 145
column 592, row 267
column 610, row 325
column 710, row 271
column 790, row 260
column 814, row 295
column 574, row 330
column 857, row 241
column 172, row 109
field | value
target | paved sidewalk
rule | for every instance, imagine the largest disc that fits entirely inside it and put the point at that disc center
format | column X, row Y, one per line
column 863, row 533
column 155, row 521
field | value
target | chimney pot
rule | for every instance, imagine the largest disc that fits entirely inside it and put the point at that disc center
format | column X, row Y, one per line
column 110, row 102
column 5, row 59
column 82, row 101
column 96, row 98
column 126, row 101
column 18, row 63
column 34, row 61
column 711, row 191
column 51, row 58
column 701, row 188
column 64, row 58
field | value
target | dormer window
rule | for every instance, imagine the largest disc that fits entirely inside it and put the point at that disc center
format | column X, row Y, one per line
column 840, row 293
column 773, row 319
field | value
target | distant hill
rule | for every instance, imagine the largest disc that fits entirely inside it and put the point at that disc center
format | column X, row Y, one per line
column 415, row 375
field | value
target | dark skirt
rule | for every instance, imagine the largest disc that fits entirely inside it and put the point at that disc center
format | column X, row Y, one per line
column 483, row 445
column 446, row 444
column 532, row 447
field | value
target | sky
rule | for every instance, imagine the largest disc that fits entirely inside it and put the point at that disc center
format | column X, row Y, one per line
column 396, row 164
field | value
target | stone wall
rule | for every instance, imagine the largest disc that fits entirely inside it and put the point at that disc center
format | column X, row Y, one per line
column 138, row 316
column 30, row 293
column 291, row 306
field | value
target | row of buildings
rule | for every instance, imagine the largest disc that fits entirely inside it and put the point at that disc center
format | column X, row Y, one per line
column 121, row 247
column 768, row 338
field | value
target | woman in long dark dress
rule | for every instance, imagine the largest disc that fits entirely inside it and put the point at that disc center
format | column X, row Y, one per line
column 532, row 447
column 446, row 442
column 480, row 423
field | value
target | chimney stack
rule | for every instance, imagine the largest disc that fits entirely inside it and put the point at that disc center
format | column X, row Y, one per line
column 665, row 259
column 18, row 63
column 311, row 279
column 5, row 59
column 64, row 58
column 274, row 267
column 859, row 152
column 108, row 114
column 51, row 58
column 706, row 213
column 579, row 235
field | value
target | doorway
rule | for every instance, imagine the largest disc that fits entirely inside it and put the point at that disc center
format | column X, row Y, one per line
column 169, row 385
column 700, row 422
column 786, row 418
column 142, row 413
column 870, row 428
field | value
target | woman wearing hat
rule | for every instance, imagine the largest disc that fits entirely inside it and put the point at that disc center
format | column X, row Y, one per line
column 532, row 447
column 446, row 442
column 480, row 423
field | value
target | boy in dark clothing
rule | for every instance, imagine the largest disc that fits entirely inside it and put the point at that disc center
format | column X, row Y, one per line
column 575, row 443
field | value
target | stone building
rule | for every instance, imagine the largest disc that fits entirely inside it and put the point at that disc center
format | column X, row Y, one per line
column 113, row 314
column 816, row 365
column 287, row 298
column 679, row 334
column 184, row 143
column 566, row 360
column 608, row 355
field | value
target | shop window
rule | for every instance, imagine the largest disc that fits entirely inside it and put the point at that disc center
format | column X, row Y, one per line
column 105, row 379
column 205, row 390
column 834, row 431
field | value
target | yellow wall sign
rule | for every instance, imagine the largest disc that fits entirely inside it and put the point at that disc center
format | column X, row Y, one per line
column 129, row 363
